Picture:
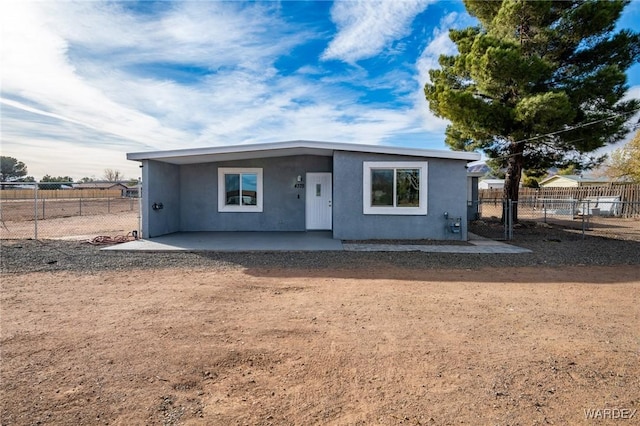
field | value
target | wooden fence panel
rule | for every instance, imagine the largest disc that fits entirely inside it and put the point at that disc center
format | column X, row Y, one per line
column 27, row 194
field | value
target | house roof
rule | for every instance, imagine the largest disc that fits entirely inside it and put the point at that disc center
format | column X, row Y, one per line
column 575, row 178
column 98, row 185
column 283, row 149
column 480, row 168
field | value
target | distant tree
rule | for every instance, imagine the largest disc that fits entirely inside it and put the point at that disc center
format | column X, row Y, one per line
column 61, row 179
column 569, row 170
column 495, row 168
column 537, row 84
column 64, row 179
column 530, row 182
column 11, row 169
column 624, row 163
column 86, row 180
column 113, row 175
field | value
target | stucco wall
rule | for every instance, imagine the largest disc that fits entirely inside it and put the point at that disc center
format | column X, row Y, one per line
column 190, row 202
column 447, row 192
column 283, row 204
column 161, row 184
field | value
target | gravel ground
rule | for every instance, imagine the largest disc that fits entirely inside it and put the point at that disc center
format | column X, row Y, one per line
column 553, row 246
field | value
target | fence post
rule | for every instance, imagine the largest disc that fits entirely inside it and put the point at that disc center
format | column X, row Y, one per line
column 80, row 203
column 140, row 207
column 44, row 203
column 108, row 204
column 583, row 215
column 35, row 209
column 510, row 220
column 505, row 216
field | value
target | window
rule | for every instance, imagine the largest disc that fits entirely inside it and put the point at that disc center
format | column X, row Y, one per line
column 239, row 190
column 398, row 188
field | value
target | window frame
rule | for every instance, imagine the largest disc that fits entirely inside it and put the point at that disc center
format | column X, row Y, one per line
column 368, row 166
column 225, row 208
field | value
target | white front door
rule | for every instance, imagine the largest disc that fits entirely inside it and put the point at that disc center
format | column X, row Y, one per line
column 319, row 197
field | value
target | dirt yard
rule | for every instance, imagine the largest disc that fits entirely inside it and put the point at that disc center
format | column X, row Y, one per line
column 273, row 346
column 72, row 228
column 24, row 210
column 74, row 219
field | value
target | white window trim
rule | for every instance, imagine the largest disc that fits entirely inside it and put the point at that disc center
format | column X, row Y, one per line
column 367, row 208
column 222, row 207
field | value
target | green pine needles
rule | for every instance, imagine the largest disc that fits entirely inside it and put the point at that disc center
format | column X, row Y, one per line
column 537, row 84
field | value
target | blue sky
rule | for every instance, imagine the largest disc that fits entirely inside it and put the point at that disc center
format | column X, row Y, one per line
column 83, row 83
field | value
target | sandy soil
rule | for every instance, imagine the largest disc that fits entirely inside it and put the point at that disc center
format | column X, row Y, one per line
column 350, row 346
column 23, row 210
column 72, row 228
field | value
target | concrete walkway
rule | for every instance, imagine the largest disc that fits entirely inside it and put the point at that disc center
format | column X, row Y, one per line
column 295, row 241
column 478, row 245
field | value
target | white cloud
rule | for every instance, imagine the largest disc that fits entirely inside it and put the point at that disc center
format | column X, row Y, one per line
column 297, row 109
column 413, row 119
column 232, row 105
column 48, row 145
column 440, row 44
column 36, row 67
column 367, row 27
column 71, row 64
column 48, row 156
column 632, row 93
column 85, row 82
column 86, row 75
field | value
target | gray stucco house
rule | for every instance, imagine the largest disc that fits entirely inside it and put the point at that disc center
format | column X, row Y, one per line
column 358, row 192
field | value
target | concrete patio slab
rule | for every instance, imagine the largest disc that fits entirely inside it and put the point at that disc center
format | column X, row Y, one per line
column 296, row 241
column 235, row 241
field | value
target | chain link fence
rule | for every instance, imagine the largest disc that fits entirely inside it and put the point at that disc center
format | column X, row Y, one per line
column 48, row 210
column 605, row 216
column 74, row 211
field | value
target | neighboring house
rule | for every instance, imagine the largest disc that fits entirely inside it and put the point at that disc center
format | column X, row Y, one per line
column 571, row 181
column 358, row 192
column 102, row 186
column 491, row 184
column 132, row 190
column 18, row 186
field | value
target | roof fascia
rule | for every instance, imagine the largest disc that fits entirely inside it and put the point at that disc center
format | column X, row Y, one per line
column 311, row 145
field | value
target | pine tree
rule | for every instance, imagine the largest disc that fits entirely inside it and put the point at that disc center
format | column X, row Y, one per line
column 536, row 84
